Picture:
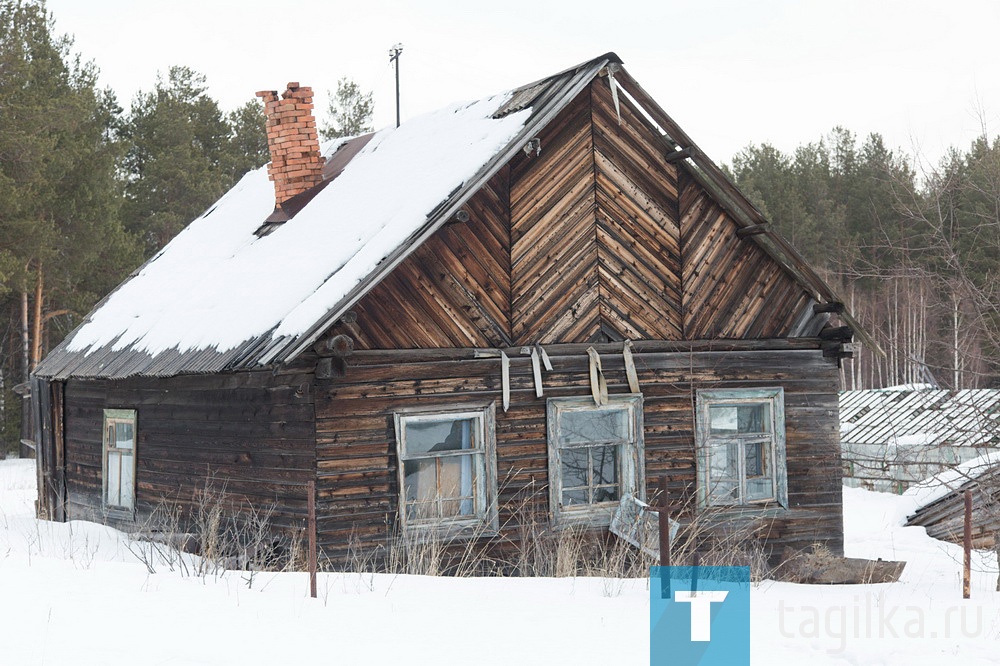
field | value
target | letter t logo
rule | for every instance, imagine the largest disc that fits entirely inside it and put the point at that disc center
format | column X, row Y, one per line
column 701, row 611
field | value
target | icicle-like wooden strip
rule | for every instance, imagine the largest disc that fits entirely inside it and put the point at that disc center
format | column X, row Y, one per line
column 598, row 385
column 630, row 373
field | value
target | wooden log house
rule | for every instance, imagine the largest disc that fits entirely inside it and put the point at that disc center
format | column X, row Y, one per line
column 538, row 302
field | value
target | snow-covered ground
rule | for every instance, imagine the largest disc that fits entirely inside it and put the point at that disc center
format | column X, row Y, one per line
column 75, row 594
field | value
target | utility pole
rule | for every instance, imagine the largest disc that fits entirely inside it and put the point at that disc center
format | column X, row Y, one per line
column 394, row 54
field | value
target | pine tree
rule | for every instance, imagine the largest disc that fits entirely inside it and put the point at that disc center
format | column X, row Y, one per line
column 183, row 154
column 61, row 241
column 350, row 111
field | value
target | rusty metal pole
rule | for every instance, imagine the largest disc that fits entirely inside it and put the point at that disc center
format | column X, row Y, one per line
column 312, row 538
column 664, row 524
column 967, row 546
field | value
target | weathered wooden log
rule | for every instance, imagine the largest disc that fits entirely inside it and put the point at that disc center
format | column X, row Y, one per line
column 752, row 230
column 338, row 345
column 678, row 155
column 839, row 333
column 331, row 367
column 833, row 306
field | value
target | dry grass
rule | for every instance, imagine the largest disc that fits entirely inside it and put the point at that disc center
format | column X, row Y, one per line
column 224, row 534
column 234, row 535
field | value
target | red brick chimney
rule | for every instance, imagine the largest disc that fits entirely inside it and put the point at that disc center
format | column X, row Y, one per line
column 296, row 164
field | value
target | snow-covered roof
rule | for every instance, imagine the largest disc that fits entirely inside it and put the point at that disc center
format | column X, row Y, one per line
column 217, row 284
column 943, row 484
column 219, row 296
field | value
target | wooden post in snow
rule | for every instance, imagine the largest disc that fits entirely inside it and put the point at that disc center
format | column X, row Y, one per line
column 312, row 539
column 664, row 520
column 967, row 545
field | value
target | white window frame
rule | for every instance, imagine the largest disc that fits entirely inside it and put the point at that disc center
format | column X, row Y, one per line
column 484, row 521
column 774, row 398
column 631, row 452
column 124, row 457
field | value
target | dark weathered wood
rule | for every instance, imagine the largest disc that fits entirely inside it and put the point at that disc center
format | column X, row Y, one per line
column 336, row 345
column 249, row 435
column 838, row 333
column 753, row 230
column 834, row 307
column 357, row 487
column 678, row 155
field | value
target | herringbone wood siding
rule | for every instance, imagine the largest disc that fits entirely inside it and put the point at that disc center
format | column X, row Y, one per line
column 596, row 237
column 731, row 287
column 454, row 290
column 637, row 224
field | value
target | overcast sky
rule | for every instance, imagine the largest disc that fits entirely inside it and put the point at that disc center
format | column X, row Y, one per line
column 926, row 75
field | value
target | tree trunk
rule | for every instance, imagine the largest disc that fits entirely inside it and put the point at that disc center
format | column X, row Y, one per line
column 25, row 338
column 37, row 324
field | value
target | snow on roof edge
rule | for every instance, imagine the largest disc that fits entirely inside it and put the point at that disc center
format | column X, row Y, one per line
column 944, row 483
column 171, row 302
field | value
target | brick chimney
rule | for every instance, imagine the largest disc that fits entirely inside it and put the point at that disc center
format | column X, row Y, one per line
column 296, row 164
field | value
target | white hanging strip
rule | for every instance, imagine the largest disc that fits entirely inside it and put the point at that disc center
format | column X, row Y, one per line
column 614, row 91
column 598, row 385
column 630, row 373
column 545, row 357
column 505, row 379
column 504, row 371
column 536, row 370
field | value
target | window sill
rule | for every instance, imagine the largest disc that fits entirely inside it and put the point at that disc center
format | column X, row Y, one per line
column 449, row 532
column 584, row 518
column 119, row 513
column 748, row 511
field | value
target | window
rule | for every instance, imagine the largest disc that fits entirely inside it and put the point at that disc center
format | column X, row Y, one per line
column 741, row 447
column 447, row 470
column 595, row 457
column 119, row 459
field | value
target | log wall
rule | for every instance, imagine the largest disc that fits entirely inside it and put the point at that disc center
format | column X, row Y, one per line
column 252, row 434
column 356, row 449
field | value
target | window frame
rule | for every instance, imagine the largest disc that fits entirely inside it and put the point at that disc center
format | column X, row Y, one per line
column 111, row 417
column 774, row 398
column 484, row 521
column 631, row 456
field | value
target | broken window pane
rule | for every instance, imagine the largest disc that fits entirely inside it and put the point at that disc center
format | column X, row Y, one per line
column 440, row 487
column 433, row 436
column 755, row 459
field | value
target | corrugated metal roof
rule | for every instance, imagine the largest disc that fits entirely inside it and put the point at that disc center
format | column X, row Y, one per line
column 921, row 417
